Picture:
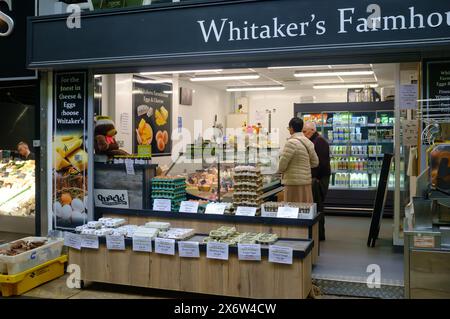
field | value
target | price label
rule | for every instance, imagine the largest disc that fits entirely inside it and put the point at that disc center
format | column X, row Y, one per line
column 143, row 244
column 280, row 254
column 424, row 241
column 189, row 249
column 189, row 207
column 165, row 246
column 162, row 205
column 72, row 240
column 287, row 212
column 249, row 252
column 129, row 166
column 115, row 242
column 217, row 251
column 215, row 208
column 89, row 241
column 245, row 211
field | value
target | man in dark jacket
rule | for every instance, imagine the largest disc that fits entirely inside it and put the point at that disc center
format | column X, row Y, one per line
column 321, row 174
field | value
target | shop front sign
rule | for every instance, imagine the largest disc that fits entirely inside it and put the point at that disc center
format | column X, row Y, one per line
column 230, row 29
column 111, row 198
column 13, row 39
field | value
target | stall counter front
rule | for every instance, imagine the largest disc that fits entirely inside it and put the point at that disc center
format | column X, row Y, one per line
column 203, row 275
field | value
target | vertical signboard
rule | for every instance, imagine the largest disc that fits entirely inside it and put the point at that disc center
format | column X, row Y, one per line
column 438, row 85
column 152, row 109
column 70, row 155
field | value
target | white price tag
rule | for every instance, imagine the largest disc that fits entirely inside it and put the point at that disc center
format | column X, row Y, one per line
column 115, row 242
column 189, row 207
column 217, row 251
column 280, row 254
column 143, row 244
column 129, row 166
column 162, row 205
column 165, row 246
column 287, row 212
column 245, row 211
column 189, row 249
column 72, row 240
column 249, row 252
column 215, row 208
column 89, row 241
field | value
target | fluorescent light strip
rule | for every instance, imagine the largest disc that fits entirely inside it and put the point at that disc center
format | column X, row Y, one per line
column 345, row 86
column 180, row 72
column 256, row 88
column 152, row 81
column 296, row 67
column 167, row 92
column 226, row 77
column 323, row 73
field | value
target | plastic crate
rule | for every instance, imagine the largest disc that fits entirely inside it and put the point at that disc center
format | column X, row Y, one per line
column 11, row 265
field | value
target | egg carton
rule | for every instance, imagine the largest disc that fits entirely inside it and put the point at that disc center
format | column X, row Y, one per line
column 146, row 232
column 88, row 231
column 104, row 232
column 94, row 224
column 115, row 222
column 79, row 229
column 158, row 225
column 103, row 220
column 177, row 233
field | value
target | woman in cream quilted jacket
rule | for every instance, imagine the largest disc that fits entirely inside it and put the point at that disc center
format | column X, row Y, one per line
column 296, row 161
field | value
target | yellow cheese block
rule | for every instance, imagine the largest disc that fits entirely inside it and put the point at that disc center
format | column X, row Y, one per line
column 60, row 162
column 79, row 159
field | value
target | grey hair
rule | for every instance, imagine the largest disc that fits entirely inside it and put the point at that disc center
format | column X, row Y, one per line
column 311, row 125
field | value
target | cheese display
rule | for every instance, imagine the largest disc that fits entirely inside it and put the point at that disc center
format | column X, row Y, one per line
column 17, row 188
column 173, row 188
column 248, row 185
column 229, row 235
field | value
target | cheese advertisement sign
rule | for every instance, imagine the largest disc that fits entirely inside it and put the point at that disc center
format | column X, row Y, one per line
column 70, row 155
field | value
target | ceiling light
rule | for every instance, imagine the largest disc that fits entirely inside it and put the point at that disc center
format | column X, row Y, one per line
column 296, row 67
column 226, row 77
column 345, row 85
column 256, row 88
column 152, row 81
column 180, row 72
column 322, row 73
column 167, row 92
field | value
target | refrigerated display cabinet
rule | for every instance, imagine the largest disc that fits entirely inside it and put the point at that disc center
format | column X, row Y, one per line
column 359, row 135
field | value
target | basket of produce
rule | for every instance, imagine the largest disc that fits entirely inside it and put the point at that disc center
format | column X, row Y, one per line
column 29, row 252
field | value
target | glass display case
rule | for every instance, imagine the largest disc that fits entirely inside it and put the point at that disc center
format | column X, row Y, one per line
column 209, row 169
column 17, row 188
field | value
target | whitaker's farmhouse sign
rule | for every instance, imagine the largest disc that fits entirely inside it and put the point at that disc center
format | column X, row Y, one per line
column 13, row 39
column 233, row 28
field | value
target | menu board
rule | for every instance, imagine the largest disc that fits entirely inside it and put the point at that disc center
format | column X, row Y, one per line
column 152, row 119
column 70, row 155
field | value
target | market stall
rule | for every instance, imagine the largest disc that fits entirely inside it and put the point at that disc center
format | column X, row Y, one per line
column 225, row 262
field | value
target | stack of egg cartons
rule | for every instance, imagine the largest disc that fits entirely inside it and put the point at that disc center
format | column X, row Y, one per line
column 173, row 188
column 248, row 184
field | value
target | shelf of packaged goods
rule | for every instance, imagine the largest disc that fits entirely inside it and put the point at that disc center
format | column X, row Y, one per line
column 362, row 142
column 348, row 155
column 358, row 125
column 355, row 171
column 376, row 155
column 352, row 188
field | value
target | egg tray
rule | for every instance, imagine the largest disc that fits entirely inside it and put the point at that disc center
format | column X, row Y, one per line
column 241, row 238
column 168, row 195
column 168, row 181
column 304, row 208
column 166, row 186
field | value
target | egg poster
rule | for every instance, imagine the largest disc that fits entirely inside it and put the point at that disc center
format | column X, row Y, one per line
column 70, row 154
column 152, row 120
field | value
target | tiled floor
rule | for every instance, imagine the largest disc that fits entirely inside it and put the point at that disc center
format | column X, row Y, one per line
column 345, row 256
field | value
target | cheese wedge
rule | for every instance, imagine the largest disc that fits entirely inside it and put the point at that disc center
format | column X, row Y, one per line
column 79, row 160
column 60, row 162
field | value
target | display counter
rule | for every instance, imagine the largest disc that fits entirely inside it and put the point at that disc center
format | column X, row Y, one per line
column 203, row 223
column 231, row 277
column 137, row 184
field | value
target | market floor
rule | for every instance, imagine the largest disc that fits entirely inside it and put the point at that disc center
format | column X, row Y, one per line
column 344, row 256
